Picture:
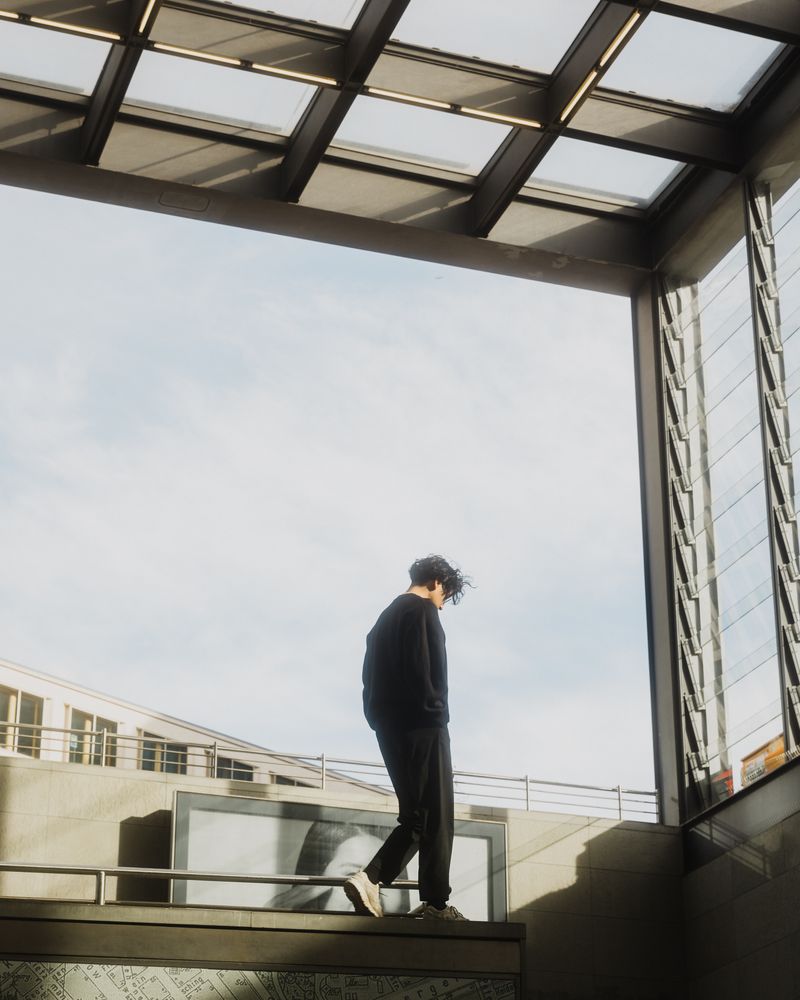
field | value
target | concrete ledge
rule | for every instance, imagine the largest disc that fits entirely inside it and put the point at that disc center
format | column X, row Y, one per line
column 255, row 939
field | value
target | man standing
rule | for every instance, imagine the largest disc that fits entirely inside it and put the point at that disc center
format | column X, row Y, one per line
column 405, row 702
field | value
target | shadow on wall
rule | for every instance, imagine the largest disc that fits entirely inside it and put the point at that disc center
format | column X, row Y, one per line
column 602, row 907
column 144, row 842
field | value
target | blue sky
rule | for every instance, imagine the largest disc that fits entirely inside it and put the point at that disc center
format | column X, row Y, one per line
column 222, row 450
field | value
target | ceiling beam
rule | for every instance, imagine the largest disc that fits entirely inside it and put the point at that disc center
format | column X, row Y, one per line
column 605, row 272
column 327, row 110
column 775, row 19
column 113, row 82
column 643, row 125
column 525, row 148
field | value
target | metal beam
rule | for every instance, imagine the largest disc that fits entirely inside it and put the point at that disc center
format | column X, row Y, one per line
column 775, row 19
column 603, row 273
column 315, row 131
column 658, row 128
column 113, row 82
column 654, row 485
column 525, row 148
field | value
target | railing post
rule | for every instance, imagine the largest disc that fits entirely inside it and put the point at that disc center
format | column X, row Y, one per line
column 103, row 747
column 527, row 793
column 100, row 891
column 323, row 772
column 619, row 800
column 214, row 759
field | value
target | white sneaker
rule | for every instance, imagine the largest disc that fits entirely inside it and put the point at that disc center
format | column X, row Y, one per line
column 364, row 895
column 428, row 911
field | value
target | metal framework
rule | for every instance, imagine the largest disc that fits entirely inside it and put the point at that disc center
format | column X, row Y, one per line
column 776, row 449
column 498, row 220
column 308, row 183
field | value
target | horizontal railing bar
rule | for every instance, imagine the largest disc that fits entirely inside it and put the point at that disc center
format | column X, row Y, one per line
column 183, row 876
column 468, row 784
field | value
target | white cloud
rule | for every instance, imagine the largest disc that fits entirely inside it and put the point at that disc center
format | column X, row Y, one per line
column 224, row 451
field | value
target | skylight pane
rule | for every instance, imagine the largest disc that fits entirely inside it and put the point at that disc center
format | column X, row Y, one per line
column 679, row 60
column 433, row 137
column 337, row 13
column 68, row 62
column 593, row 170
column 533, row 35
column 220, row 93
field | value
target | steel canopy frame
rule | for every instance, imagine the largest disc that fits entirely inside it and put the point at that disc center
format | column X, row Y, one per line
column 621, row 243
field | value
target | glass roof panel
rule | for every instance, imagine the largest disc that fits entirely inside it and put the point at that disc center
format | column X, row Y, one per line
column 592, row 170
column 220, row 93
column 336, row 13
column 68, row 62
column 679, row 60
column 434, row 137
column 508, row 32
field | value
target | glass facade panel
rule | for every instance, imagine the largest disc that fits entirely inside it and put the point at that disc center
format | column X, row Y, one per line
column 786, row 227
column 337, row 13
column 30, row 719
column 507, row 32
column 218, row 93
column 39, row 55
column 159, row 755
column 97, row 741
column 398, row 130
column 7, row 709
column 729, row 659
column 588, row 168
column 681, row 60
column 237, row 770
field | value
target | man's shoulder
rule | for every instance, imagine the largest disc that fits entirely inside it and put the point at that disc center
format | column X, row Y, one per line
column 405, row 606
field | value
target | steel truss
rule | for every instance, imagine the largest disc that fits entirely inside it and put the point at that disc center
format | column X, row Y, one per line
column 697, row 640
column 777, row 452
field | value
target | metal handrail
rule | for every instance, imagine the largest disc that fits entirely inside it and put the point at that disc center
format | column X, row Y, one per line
column 102, row 874
column 525, row 791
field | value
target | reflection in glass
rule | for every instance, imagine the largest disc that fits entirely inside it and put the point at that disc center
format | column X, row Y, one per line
column 675, row 59
column 219, row 93
column 434, row 137
column 52, row 57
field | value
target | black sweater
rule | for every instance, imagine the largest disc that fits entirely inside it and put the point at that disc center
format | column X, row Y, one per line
column 405, row 667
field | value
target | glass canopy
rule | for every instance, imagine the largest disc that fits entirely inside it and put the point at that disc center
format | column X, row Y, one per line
column 509, row 32
column 421, row 134
column 218, row 92
column 337, row 13
column 698, row 64
column 52, row 57
column 602, row 171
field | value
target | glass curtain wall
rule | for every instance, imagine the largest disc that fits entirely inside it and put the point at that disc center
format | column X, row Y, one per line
column 731, row 360
column 727, row 644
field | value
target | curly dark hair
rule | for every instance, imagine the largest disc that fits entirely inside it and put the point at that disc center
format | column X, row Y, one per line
column 433, row 567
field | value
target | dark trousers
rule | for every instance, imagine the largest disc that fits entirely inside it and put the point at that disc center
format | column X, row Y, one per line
column 418, row 762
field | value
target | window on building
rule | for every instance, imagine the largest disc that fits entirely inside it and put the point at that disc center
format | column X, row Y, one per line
column 92, row 740
column 281, row 779
column 160, row 755
column 20, row 721
column 227, row 767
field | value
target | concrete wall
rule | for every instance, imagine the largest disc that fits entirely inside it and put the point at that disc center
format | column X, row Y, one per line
column 742, row 919
column 601, row 900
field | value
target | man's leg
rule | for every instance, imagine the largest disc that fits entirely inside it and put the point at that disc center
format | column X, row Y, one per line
column 432, row 754
column 403, row 842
